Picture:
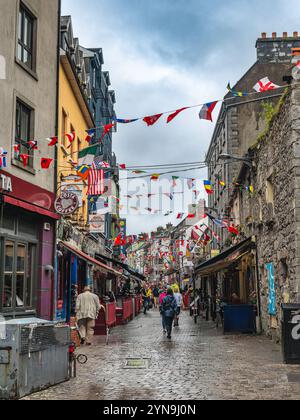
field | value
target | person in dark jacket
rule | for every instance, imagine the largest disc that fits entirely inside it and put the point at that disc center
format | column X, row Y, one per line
column 169, row 308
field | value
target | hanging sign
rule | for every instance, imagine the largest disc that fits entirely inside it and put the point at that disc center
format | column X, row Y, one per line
column 66, row 204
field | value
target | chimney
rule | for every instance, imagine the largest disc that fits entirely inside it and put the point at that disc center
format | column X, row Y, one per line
column 278, row 49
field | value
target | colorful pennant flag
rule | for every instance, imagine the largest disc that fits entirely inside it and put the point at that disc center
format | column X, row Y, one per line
column 46, row 162
column 33, row 144
column 155, row 177
column 207, row 110
column 174, row 115
column 222, row 183
column 122, row 166
column 3, row 158
column 137, row 172
column 52, row 141
column 250, row 189
column 122, row 121
column 236, row 93
column 24, row 159
column 152, row 119
column 191, row 183
column 264, row 85
column 232, row 229
column 71, row 138
column 17, row 148
column 175, row 179
column 83, row 172
column 180, row 215
column 106, row 129
column 208, row 187
column 90, row 134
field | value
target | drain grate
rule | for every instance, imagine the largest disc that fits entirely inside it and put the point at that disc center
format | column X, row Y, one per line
column 137, row 364
column 294, row 378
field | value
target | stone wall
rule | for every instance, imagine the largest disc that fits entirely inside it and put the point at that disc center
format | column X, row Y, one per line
column 272, row 213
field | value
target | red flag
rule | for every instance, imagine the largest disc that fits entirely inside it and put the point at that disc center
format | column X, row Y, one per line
column 195, row 236
column 118, row 240
column 25, row 159
column 17, row 148
column 191, row 216
column 45, row 163
column 152, row 119
column 232, row 229
column 106, row 130
column 33, row 144
column 53, row 141
column 174, row 115
column 71, row 138
column 122, row 166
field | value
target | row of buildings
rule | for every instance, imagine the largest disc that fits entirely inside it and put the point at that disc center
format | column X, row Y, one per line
column 51, row 86
column 255, row 143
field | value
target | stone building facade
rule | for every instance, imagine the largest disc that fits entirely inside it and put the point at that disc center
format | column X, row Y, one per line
column 272, row 212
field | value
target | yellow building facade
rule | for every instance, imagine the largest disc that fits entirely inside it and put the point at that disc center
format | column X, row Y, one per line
column 74, row 117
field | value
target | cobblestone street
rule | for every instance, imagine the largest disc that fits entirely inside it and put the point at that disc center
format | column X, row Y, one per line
column 200, row 363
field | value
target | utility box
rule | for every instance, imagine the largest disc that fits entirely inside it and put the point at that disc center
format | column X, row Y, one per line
column 34, row 355
column 291, row 333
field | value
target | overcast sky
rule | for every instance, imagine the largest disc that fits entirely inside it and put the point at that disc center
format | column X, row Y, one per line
column 166, row 54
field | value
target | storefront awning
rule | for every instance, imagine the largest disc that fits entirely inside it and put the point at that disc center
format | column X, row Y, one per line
column 124, row 266
column 225, row 259
column 89, row 259
column 30, row 207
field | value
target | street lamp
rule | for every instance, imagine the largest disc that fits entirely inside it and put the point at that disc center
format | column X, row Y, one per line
column 226, row 156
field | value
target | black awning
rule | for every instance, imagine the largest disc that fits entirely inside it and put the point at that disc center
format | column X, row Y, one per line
column 122, row 265
column 226, row 258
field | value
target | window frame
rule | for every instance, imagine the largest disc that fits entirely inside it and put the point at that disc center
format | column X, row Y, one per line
column 31, row 245
column 23, row 13
column 26, row 108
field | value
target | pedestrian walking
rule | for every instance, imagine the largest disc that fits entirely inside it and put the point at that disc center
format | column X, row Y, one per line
column 156, row 296
column 146, row 299
column 87, row 311
column 179, row 301
column 169, row 308
column 163, row 294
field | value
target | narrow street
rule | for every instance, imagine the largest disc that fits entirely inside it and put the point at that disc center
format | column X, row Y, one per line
column 200, row 363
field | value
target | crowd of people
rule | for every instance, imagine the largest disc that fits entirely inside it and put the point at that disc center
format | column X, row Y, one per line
column 168, row 299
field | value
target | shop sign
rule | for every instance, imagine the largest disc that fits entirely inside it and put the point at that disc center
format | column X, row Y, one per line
column 5, row 183
column 66, row 204
column 74, row 189
column 97, row 223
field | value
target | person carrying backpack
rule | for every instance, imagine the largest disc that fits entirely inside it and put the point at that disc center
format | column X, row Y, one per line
column 169, row 308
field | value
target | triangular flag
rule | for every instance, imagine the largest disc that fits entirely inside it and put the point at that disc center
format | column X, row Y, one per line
column 207, row 110
column 106, row 129
column 155, row 177
column 33, row 144
column 25, row 159
column 175, row 178
column 46, row 162
column 71, row 138
column 174, row 115
column 122, row 166
column 17, row 148
column 152, row 119
column 90, row 134
column 236, row 93
column 52, row 141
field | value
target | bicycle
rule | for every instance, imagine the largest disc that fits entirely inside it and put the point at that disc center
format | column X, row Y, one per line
column 74, row 358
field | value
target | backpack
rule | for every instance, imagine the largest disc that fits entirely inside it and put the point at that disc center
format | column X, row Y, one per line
column 169, row 306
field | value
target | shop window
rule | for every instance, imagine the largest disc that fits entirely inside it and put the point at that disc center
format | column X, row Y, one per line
column 18, row 276
column 26, row 38
column 24, row 130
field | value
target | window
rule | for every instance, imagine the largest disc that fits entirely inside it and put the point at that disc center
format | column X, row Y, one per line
column 24, row 122
column 18, row 276
column 26, row 31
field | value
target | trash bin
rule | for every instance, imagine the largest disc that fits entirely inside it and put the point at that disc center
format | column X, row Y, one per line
column 291, row 333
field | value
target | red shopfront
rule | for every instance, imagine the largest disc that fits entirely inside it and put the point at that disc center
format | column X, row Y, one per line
column 27, row 247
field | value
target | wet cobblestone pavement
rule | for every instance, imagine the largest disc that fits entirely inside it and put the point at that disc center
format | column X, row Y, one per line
column 200, row 363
